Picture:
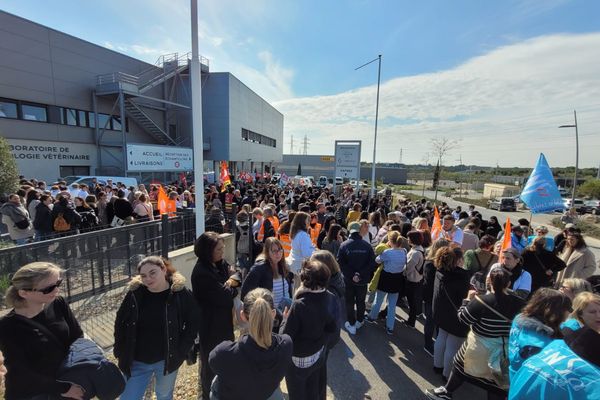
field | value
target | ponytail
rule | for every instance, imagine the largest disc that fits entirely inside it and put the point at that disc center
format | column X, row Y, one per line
column 258, row 308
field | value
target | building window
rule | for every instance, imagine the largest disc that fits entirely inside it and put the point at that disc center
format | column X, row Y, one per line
column 116, row 123
column 91, row 120
column 34, row 112
column 8, row 109
column 254, row 137
column 74, row 170
column 82, row 116
column 70, row 117
column 104, row 121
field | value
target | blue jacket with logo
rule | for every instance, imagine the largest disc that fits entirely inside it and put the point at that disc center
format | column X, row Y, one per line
column 528, row 336
column 565, row 370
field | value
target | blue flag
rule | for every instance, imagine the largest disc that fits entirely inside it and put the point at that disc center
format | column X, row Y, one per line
column 541, row 193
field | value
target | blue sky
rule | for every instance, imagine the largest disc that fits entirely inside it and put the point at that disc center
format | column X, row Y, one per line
column 480, row 72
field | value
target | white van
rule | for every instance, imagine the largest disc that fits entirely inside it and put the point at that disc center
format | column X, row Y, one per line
column 128, row 181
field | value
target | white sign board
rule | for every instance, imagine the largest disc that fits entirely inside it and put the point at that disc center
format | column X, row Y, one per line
column 347, row 159
column 142, row 158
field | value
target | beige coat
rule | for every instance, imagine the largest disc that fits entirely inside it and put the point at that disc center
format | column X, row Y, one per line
column 581, row 263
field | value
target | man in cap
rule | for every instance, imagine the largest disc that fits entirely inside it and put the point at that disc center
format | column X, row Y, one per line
column 357, row 262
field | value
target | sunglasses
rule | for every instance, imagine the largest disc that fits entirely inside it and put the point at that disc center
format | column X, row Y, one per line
column 47, row 289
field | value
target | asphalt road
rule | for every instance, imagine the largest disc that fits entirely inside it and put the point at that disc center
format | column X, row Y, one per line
column 536, row 219
column 374, row 365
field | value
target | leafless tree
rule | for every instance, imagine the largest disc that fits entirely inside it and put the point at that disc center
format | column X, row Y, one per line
column 441, row 146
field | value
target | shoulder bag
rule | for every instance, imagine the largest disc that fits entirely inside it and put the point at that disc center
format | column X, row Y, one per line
column 86, row 365
column 487, row 357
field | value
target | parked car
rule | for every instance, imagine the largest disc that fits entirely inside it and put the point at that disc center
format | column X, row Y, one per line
column 579, row 205
column 591, row 207
column 503, row 204
column 339, row 181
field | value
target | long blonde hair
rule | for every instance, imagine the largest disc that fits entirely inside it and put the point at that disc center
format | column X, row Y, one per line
column 258, row 309
column 26, row 278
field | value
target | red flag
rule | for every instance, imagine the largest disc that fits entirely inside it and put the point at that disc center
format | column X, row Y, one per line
column 436, row 227
column 225, row 179
column 506, row 242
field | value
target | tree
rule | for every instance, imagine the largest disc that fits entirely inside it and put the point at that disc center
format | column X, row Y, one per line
column 440, row 147
column 590, row 188
column 9, row 173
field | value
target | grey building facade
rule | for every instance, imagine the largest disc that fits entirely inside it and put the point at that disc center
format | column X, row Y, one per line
column 70, row 107
column 324, row 165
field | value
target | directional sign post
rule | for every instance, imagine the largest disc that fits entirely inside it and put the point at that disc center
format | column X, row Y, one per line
column 347, row 160
column 142, row 158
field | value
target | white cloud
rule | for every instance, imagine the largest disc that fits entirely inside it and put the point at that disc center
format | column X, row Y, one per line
column 506, row 106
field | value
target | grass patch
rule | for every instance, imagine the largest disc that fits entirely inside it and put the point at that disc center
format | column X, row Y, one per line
column 587, row 229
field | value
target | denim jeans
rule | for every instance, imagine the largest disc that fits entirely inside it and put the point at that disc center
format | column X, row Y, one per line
column 141, row 373
column 355, row 296
column 392, row 298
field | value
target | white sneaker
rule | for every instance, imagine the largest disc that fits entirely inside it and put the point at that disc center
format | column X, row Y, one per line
column 358, row 325
column 350, row 328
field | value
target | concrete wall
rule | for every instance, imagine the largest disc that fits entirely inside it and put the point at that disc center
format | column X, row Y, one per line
column 495, row 190
column 249, row 111
column 317, row 165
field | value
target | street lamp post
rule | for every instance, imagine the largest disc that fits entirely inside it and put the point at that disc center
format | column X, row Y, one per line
column 576, row 156
column 196, row 90
column 376, row 118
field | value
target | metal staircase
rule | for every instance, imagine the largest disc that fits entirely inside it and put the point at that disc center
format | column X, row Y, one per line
column 143, row 120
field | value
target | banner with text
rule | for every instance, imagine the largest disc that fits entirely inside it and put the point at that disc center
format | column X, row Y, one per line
column 141, row 158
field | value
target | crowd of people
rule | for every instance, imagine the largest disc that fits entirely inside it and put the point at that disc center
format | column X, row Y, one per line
column 520, row 322
column 37, row 212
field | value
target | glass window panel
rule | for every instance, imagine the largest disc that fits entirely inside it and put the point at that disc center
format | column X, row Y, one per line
column 34, row 113
column 71, row 116
column 82, row 118
column 8, row 109
column 116, row 123
column 104, row 121
column 91, row 120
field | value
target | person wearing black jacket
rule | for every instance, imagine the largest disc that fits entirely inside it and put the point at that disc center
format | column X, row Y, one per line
column 429, row 271
column 269, row 267
column 252, row 367
column 310, row 322
column 542, row 264
column 122, row 208
column 64, row 207
column 155, row 328
column 43, row 218
column 214, row 290
column 450, row 288
column 357, row 262
column 32, row 356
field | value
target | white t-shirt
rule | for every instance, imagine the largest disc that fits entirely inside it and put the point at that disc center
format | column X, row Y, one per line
column 523, row 283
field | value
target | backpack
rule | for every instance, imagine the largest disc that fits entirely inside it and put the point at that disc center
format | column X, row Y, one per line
column 88, row 219
column 60, row 224
column 243, row 244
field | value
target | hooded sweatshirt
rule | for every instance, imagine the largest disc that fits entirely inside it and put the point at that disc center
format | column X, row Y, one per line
column 247, row 371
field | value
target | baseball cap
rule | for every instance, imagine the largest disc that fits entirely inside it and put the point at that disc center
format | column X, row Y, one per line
column 354, row 227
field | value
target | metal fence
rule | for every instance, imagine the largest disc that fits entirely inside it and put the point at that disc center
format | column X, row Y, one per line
column 98, row 261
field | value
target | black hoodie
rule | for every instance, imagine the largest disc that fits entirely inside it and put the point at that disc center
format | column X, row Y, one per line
column 248, row 371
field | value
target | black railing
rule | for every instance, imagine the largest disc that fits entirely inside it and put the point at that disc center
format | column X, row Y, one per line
column 99, row 261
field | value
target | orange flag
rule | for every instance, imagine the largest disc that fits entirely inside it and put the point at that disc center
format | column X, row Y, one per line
column 162, row 200
column 225, row 179
column 506, row 242
column 436, row 227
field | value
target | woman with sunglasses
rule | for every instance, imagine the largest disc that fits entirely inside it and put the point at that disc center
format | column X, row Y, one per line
column 33, row 357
